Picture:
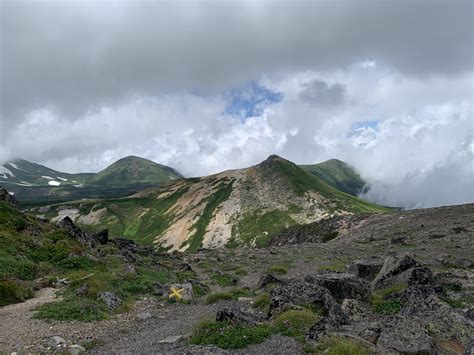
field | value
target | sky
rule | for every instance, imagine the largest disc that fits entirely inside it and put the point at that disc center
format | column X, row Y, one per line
column 205, row 86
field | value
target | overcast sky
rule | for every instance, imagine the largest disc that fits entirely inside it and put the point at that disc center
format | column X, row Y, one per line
column 386, row 86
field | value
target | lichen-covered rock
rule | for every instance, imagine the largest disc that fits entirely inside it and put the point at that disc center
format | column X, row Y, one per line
column 341, row 285
column 353, row 309
column 235, row 314
column 405, row 335
column 111, row 300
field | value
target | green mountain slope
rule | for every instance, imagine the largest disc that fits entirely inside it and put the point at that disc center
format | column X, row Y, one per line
column 337, row 174
column 232, row 208
column 133, row 170
column 35, row 184
column 35, row 253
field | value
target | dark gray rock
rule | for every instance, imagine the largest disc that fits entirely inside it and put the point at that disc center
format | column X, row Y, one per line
column 68, row 225
column 366, row 268
column 6, row 197
column 125, row 244
column 371, row 333
column 393, row 266
column 185, row 267
column 470, row 347
column 463, row 263
column 405, row 335
column 341, row 285
column 82, row 290
column 111, row 299
column 470, row 314
column 297, row 293
column 269, row 279
column 101, row 237
column 235, row 314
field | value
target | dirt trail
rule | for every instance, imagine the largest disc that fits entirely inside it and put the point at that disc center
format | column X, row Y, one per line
column 16, row 318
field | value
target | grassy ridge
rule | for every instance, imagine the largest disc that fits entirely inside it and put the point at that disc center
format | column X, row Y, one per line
column 337, row 174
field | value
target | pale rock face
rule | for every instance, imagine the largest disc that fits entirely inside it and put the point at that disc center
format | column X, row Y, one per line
column 250, row 191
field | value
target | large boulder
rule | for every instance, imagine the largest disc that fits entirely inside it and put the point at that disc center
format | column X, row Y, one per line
column 366, row 268
column 297, row 293
column 6, row 197
column 74, row 231
column 342, row 285
column 404, row 335
column 392, row 267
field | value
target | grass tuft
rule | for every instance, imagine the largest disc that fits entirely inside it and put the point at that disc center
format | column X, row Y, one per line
column 226, row 335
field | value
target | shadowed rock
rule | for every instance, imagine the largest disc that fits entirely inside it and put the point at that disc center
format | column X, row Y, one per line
column 101, row 237
column 366, row 269
column 68, row 225
column 6, row 197
column 297, row 293
column 393, row 266
column 235, row 314
column 341, row 285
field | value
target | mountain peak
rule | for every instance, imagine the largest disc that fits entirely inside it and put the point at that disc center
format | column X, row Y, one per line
column 271, row 160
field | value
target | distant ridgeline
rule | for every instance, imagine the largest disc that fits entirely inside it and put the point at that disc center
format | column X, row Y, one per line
column 34, row 184
column 243, row 207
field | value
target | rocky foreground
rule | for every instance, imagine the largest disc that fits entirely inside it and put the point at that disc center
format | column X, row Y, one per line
column 388, row 284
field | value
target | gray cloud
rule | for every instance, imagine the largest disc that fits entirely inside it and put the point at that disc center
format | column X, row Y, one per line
column 84, row 83
column 77, row 56
column 319, row 92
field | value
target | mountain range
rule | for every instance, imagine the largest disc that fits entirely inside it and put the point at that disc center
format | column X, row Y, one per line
column 34, row 184
column 242, row 207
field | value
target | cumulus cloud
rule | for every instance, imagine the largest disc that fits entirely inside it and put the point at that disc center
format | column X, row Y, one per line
column 206, row 86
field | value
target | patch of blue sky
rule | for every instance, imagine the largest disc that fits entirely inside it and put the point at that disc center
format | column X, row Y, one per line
column 250, row 100
column 359, row 126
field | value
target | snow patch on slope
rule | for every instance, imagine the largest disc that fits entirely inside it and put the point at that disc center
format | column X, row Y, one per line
column 4, row 172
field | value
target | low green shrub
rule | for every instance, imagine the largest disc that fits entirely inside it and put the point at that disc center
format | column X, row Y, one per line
column 13, row 292
column 226, row 335
column 295, row 323
column 73, row 309
column 383, row 301
column 262, row 301
column 340, row 346
column 224, row 280
column 278, row 269
column 219, row 296
column 387, row 307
